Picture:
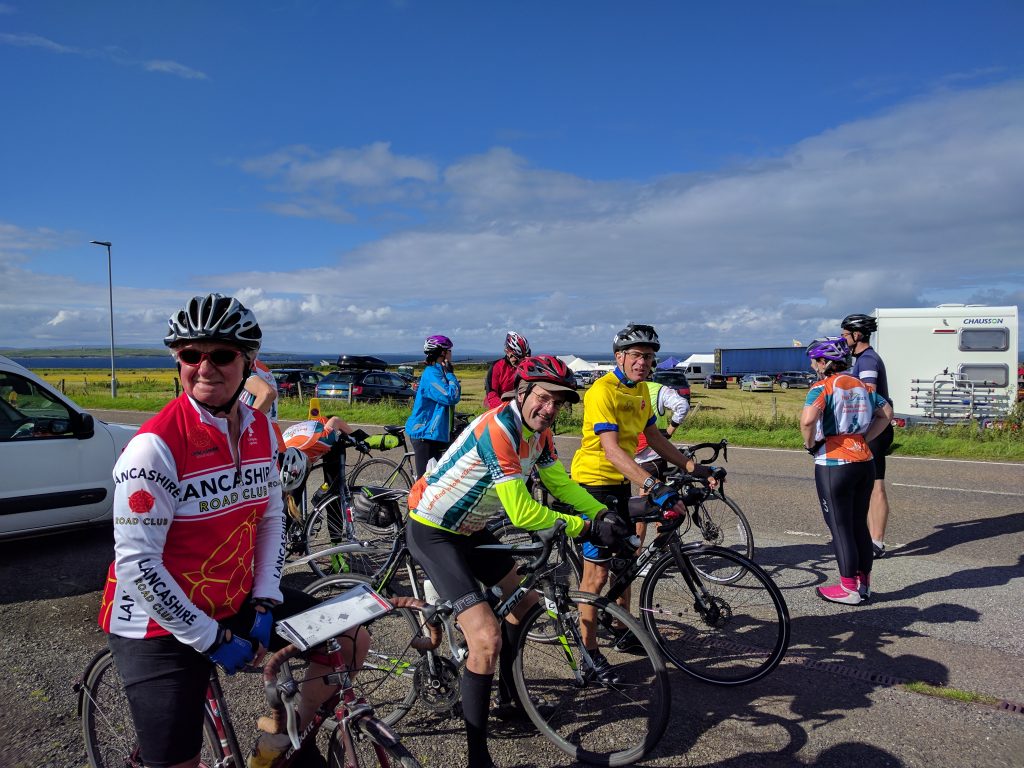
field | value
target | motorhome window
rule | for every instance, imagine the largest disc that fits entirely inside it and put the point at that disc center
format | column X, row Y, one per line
column 993, row 375
column 984, row 339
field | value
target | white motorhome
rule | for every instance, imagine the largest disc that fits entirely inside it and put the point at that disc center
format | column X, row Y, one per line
column 949, row 363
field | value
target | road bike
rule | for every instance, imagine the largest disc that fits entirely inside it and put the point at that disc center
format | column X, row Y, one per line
column 346, row 723
column 714, row 613
column 599, row 721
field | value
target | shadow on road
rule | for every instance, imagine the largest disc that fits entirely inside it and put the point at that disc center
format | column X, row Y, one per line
column 61, row 565
column 948, row 535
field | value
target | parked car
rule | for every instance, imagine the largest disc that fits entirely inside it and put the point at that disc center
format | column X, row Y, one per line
column 715, row 381
column 757, row 382
column 793, row 380
column 365, row 385
column 289, row 379
column 676, row 379
column 57, row 459
column 582, row 380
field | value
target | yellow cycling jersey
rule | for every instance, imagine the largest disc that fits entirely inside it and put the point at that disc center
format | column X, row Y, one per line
column 612, row 404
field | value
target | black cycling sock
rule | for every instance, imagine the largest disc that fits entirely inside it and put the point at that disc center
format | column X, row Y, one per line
column 476, row 699
column 506, row 658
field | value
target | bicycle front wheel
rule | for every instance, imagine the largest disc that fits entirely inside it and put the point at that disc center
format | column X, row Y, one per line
column 387, row 677
column 724, row 632
column 720, row 522
column 379, row 473
column 610, row 719
column 107, row 727
column 328, row 526
column 374, row 743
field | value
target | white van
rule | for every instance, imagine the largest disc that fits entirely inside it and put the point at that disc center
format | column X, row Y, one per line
column 949, row 363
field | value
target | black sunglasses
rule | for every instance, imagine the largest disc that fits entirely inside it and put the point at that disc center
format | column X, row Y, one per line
column 219, row 357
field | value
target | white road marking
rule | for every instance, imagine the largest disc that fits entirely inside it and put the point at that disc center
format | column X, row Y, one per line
column 961, row 490
column 892, row 457
column 804, row 533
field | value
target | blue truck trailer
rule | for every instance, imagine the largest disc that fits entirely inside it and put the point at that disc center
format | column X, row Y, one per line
column 770, row 360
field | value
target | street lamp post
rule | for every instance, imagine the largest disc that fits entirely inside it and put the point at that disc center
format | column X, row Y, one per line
column 110, row 292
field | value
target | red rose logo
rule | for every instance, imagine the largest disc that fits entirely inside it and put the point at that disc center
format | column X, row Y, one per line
column 140, row 502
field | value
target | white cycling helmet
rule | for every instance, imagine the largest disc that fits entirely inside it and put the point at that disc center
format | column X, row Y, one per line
column 293, row 469
column 214, row 318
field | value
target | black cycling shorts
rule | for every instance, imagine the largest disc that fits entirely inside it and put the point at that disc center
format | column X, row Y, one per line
column 879, row 448
column 165, row 682
column 454, row 565
column 616, row 498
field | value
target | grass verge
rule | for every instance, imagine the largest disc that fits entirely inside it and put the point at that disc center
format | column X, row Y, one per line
column 952, row 694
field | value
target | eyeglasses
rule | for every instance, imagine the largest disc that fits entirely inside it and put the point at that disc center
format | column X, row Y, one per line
column 549, row 402
column 649, row 357
column 218, row 357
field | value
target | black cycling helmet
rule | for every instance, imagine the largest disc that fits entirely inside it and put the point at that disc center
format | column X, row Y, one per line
column 864, row 324
column 635, row 335
column 214, row 318
column 549, row 373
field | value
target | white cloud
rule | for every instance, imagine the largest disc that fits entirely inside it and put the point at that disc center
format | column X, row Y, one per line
column 917, row 205
column 165, row 66
column 173, row 68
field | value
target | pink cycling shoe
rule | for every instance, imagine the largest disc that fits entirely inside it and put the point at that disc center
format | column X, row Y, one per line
column 844, row 592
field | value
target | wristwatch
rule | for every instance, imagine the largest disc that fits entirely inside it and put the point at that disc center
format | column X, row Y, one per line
column 650, row 482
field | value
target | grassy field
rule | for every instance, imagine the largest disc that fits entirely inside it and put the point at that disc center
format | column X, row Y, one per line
column 745, row 418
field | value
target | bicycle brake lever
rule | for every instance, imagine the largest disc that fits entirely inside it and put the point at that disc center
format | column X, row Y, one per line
column 293, row 722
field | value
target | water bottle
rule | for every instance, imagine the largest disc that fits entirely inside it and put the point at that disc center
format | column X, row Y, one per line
column 429, row 593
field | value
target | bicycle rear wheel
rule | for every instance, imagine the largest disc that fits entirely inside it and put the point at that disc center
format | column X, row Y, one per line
column 610, row 723
column 719, row 521
column 387, row 677
column 380, row 473
column 327, row 526
column 722, row 632
column 107, row 727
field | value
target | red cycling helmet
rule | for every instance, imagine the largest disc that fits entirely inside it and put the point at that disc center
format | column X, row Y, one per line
column 549, row 373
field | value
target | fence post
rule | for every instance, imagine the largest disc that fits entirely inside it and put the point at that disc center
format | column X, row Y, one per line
column 775, row 410
column 61, row 387
column 298, row 385
column 176, row 390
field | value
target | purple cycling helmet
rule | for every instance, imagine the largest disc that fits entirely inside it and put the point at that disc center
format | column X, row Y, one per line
column 434, row 343
column 832, row 348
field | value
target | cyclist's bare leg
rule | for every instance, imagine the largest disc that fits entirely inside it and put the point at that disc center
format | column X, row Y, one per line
column 314, row 691
column 595, row 576
column 878, row 511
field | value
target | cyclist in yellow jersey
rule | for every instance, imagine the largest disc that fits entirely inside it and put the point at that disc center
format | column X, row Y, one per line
column 616, row 411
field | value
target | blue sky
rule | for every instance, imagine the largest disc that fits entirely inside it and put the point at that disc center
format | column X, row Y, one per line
column 366, row 173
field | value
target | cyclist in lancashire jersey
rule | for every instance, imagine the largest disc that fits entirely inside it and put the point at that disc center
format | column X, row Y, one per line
column 869, row 368
column 482, row 472
column 840, row 417
column 197, row 538
column 616, row 411
column 502, row 373
column 429, row 426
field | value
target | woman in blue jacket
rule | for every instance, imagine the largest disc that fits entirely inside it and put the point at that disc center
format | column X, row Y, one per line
column 429, row 426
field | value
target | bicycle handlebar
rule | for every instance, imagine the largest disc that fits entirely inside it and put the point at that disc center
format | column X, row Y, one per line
column 722, row 446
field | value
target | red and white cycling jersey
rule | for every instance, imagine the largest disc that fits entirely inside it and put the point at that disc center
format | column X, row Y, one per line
column 194, row 534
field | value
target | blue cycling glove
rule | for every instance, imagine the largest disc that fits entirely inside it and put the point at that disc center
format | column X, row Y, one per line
column 230, row 655
column 261, row 627
column 664, row 496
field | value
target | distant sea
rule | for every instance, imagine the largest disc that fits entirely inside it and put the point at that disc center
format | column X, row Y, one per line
column 165, row 361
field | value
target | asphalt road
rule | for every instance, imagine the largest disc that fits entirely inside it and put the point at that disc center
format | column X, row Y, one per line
column 948, row 611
